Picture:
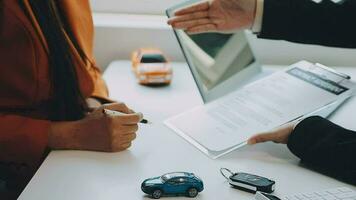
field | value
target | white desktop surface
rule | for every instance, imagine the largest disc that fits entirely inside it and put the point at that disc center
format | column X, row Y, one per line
column 157, row 150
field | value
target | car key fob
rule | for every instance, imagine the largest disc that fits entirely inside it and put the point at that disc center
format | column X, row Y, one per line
column 249, row 182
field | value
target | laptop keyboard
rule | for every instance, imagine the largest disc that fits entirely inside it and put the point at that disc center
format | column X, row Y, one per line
column 342, row 193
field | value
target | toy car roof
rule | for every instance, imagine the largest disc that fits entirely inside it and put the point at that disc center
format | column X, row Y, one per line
column 178, row 174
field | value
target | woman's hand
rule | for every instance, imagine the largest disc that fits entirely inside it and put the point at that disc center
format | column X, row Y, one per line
column 279, row 135
column 97, row 131
column 215, row 16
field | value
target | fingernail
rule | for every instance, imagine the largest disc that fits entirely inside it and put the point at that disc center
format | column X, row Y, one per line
column 141, row 115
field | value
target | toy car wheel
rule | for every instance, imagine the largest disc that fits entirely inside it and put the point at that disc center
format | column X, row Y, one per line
column 192, row 192
column 157, row 194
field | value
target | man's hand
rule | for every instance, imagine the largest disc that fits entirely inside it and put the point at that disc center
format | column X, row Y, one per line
column 279, row 135
column 215, row 16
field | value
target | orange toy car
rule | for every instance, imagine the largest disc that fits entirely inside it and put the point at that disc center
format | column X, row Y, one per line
column 151, row 67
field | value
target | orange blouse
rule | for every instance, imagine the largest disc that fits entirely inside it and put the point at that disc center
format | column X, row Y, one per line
column 24, row 76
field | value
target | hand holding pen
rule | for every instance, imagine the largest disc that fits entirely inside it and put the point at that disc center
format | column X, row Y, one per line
column 110, row 132
column 117, row 113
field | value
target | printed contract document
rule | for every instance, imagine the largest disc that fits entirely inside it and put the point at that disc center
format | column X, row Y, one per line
column 225, row 124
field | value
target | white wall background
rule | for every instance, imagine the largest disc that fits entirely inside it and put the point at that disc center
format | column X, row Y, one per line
column 125, row 25
column 156, row 7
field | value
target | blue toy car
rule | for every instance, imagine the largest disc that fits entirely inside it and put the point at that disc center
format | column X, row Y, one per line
column 175, row 183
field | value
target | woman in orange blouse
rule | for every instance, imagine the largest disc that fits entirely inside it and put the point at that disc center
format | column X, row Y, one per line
column 51, row 93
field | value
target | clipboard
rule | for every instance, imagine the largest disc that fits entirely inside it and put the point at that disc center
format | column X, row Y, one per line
column 315, row 88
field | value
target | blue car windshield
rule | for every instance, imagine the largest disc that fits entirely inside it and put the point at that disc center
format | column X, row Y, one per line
column 172, row 175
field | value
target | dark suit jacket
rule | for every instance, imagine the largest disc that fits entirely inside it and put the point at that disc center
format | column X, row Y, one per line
column 320, row 144
column 325, row 147
column 304, row 21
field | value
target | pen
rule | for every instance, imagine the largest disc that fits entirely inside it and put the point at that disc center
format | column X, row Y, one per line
column 112, row 112
column 345, row 76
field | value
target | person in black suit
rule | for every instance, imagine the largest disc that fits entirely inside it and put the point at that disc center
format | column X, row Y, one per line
column 319, row 143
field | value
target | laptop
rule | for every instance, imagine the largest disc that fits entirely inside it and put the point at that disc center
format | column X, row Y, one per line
column 220, row 63
column 222, row 66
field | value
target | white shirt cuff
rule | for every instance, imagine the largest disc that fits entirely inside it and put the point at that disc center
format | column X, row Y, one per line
column 297, row 122
column 257, row 23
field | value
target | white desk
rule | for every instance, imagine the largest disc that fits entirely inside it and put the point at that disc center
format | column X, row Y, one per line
column 157, row 150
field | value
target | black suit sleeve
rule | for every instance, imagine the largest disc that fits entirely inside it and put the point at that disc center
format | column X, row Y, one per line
column 325, row 147
column 304, row 21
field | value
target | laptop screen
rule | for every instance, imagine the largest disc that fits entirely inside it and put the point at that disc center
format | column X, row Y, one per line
column 213, row 58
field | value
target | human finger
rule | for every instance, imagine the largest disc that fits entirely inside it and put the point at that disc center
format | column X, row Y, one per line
column 187, row 17
column 202, row 29
column 127, row 119
column 127, row 138
column 125, row 129
column 120, row 107
column 263, row 137
column 194, row 8
column 120, row 147
column 191, row 24
column 120, row 139
column 126, row 146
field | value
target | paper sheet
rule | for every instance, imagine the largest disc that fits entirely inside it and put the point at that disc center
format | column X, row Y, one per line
column 258, row 107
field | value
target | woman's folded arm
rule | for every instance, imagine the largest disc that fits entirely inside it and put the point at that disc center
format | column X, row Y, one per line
column 23, row 140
